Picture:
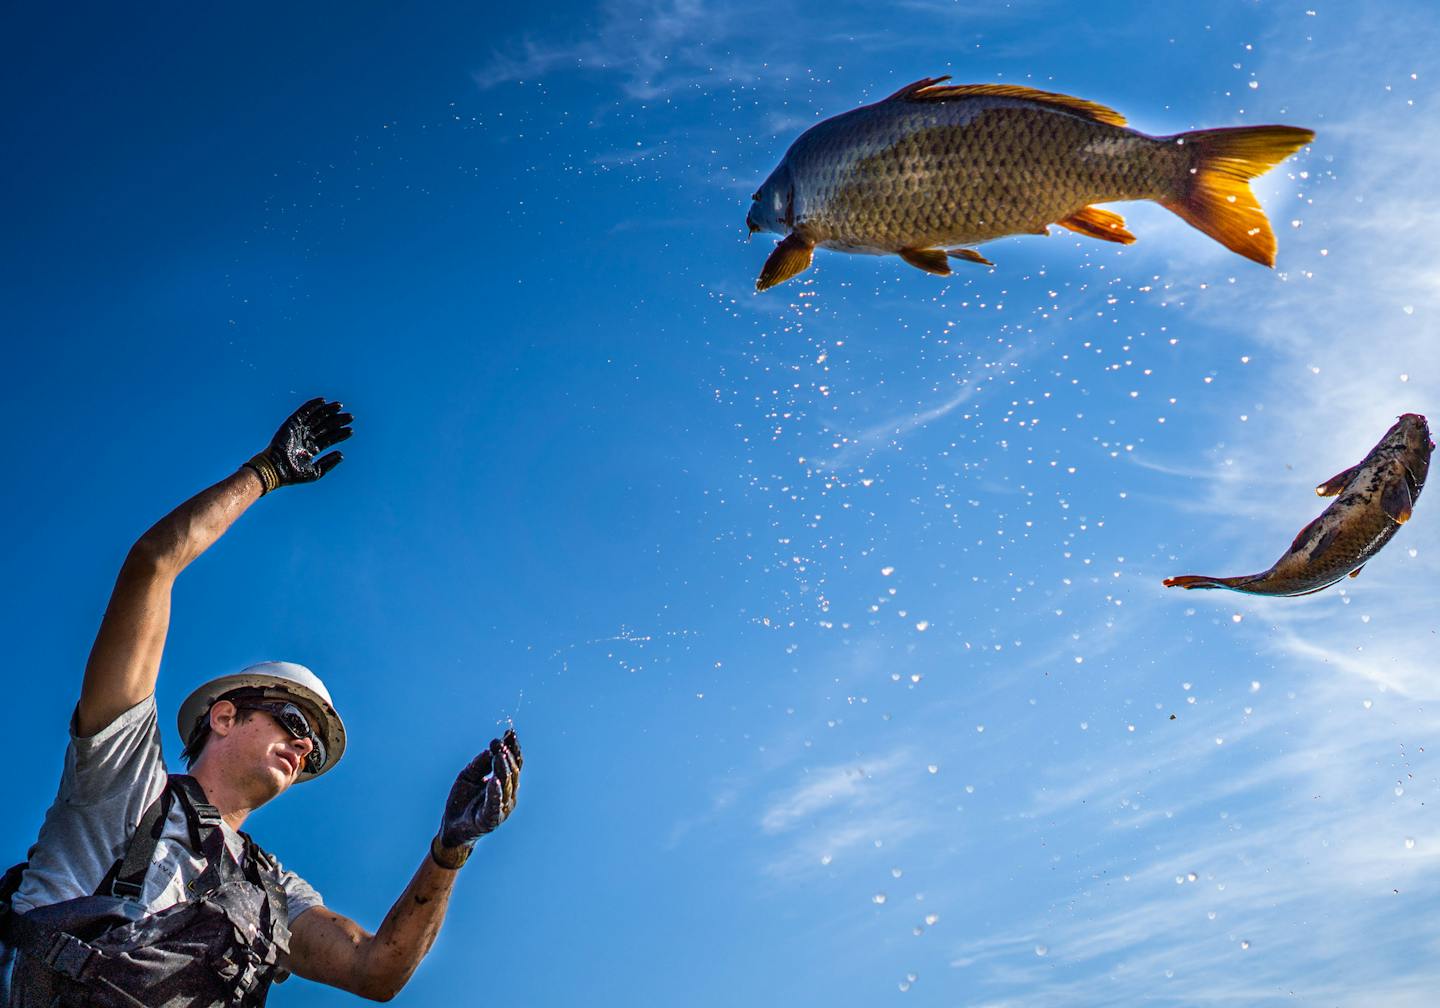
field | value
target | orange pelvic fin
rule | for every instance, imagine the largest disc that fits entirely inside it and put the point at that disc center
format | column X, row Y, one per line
column 1103, row 224
column 1215, row 195
column 791, row 256
column 1338, row 482
column 1357, row 570
column 930, row 260
column 969, row 255
column 1198, row 581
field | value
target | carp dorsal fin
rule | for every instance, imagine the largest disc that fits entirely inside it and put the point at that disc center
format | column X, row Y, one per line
column 929, row 90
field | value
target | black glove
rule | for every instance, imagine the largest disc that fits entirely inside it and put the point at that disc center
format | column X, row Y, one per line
column 482, row 797
column 291, row 456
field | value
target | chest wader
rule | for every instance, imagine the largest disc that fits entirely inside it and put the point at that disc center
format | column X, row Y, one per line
column 221, row 946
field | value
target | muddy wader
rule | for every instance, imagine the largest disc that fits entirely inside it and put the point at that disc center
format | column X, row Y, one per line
column 222, row 946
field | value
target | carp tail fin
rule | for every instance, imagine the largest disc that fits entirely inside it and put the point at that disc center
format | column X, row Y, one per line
column 1214, row 196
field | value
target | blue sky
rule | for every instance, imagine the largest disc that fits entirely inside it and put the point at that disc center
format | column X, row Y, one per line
column 830, row 618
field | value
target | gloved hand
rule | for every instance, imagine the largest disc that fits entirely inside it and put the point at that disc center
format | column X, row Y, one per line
column 306, row 433
column 482, row 797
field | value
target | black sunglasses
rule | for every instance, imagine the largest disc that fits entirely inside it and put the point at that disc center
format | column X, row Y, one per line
column 294, row 721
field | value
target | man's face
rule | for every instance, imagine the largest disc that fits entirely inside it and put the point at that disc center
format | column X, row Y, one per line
column 259, row 749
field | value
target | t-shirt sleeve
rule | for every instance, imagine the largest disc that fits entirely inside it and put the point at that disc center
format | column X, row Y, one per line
column 108, row 781
column 122, row 761
column 299, row 894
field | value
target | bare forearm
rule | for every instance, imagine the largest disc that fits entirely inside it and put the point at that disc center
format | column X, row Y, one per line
column 332, row 949
column 126, row 656
column 409, row 929
column 169, row 545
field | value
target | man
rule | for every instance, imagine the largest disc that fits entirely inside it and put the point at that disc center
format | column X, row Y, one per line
column 141, row 891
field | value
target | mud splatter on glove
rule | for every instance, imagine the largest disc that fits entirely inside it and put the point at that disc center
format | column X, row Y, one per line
column 306, row 433
column 482, row 798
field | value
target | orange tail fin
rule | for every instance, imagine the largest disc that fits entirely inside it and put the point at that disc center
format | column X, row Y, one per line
column 1215, row 195
column 1198, row 581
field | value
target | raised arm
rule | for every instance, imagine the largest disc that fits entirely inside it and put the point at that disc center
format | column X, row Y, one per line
column 330, row 948
column 125, row 658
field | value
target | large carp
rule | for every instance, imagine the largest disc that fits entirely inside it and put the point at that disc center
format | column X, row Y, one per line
column 936, row 166
column 1372, row 500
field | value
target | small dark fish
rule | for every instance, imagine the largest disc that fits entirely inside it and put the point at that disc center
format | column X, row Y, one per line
column 1372, row 500
column 933, row 167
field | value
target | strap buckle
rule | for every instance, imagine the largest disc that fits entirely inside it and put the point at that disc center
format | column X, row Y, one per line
column 207, row 815
column 69, row 955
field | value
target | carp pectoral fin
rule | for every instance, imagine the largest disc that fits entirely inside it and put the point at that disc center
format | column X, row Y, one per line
column 969, row 255
column 930, row 260
column 1396, row 501
column 1197, row 581
column 1304, row 534
column 1338, row 482
column 1357, row 570
column 1324, row 542
column 791, row 256
column 1097, row 223
column 1214, row 193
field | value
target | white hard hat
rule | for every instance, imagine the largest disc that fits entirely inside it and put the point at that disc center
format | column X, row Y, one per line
column 294, row 681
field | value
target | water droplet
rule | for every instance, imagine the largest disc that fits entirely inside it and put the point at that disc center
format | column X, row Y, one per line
column 1409, row 843
column 933, row 768
column 887, row 571
column 932, row 919
column 1236, row 617
column 923, row 625
column 1399, row 790
column 896, row 873
column 1367, row 704
column 1192, row 877
column 826, row 859
column 1244, row 944
column 1041, row 950
column 1254, row 685
column 878, row 898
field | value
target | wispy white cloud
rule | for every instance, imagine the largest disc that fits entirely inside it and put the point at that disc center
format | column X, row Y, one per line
column 655, row 47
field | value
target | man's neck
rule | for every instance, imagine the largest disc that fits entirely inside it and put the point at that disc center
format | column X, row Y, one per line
column 234, row 805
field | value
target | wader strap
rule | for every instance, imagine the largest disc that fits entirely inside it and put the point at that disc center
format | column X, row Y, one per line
column 128, row 879
column 206, row 837
column 62, row 952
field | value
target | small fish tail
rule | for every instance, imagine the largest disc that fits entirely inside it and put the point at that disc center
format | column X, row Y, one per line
column 1214, row 194
column 1201, row 581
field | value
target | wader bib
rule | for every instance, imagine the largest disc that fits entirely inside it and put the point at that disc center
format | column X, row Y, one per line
column 219, row 948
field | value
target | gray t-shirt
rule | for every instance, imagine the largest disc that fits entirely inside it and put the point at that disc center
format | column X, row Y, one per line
column 108, row 782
